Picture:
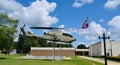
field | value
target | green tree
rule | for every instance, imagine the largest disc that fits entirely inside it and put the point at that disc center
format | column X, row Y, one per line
column 8, row 28
column 50, row 44
column 25, row 43
column 64, row 45
column 43, row 42
column 81, row 46
column 20, row 44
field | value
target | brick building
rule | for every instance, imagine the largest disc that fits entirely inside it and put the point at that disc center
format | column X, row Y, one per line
column 45, row 51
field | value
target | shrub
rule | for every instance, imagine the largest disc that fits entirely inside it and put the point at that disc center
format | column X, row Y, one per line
column 114, row 58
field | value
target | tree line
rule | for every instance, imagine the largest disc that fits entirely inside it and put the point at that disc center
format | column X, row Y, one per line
column 25, row 43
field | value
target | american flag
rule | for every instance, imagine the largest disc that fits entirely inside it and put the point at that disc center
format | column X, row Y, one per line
column 85, row 24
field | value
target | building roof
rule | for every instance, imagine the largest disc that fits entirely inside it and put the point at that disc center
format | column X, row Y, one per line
column 82, row 50
column 50, row 48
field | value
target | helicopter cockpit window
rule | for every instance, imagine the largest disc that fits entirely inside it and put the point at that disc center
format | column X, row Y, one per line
column 66, row 34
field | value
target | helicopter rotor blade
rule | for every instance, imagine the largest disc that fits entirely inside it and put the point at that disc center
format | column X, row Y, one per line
column 22, row 29
column 24, row 25
column 45, row 28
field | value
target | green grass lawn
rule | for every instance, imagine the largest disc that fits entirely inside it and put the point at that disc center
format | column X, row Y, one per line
column 12, row 60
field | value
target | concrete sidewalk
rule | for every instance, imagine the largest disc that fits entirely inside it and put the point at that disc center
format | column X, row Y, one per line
column 101, row 61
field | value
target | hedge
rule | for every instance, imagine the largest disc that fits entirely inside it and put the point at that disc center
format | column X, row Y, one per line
column 113, row 58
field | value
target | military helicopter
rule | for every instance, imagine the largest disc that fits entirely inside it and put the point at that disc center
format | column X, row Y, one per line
column 55, row 35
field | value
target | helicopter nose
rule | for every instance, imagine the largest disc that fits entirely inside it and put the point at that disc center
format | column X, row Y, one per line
column 74, row 40
column 45, row 33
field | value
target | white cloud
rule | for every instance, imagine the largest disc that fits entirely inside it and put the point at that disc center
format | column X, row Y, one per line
column 115, row 22
column 101, row 20
column 10, row 5
column 92, row 32
column 61, row 26
column 77, row 4
column 89, row 1
column 80, row 3
column 37, row 14
column 112, row 4
column 64, row 30
column 115, row 30
column 68, row 30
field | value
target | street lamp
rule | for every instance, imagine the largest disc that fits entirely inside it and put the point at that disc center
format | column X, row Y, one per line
column 104, row 38
column 111, row 47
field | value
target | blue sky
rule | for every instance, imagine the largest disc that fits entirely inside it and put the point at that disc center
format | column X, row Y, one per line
column 103, row 14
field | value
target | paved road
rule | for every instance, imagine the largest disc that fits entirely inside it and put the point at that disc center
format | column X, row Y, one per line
column 101, row 61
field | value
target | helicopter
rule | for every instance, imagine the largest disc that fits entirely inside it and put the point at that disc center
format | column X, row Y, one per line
column 55, row 35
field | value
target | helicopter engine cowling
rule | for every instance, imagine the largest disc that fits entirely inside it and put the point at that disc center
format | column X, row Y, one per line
column 47, row 33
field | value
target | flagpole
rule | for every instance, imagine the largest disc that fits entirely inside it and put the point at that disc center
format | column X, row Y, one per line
column 91, row 41
column 86, row 25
